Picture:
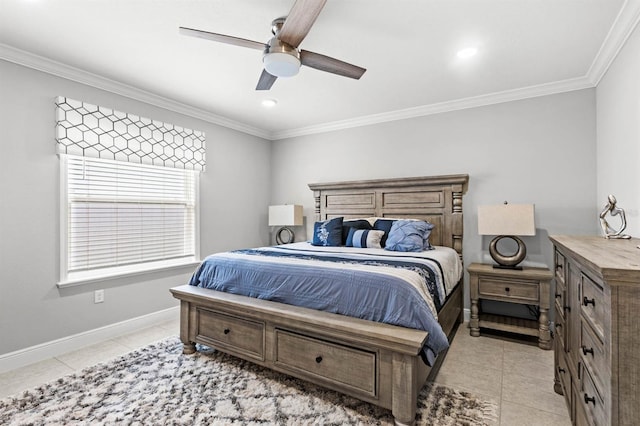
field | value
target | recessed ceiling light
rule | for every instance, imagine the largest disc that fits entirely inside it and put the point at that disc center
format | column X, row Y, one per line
column 269, row 103
column 467, row 52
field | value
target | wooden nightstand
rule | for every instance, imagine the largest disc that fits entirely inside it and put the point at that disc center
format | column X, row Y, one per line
column 529, row 286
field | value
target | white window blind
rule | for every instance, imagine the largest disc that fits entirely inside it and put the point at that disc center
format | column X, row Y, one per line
column 122, row 217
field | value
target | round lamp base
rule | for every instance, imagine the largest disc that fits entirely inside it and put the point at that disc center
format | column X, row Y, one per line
column 507, row 261
column 285, row 236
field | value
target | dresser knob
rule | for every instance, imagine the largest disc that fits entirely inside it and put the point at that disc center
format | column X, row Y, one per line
column 587, row 302
column 226, row 331
column 318, row 359
column 586, row 350
column 507, row 289
column 588, row 400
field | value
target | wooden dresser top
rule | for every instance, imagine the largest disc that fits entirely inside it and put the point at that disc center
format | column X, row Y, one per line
column 613, row 260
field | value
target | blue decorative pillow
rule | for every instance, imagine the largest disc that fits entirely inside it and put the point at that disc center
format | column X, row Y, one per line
column 383, row 225
column 409, row 235
column 357, row 224
column 364, row 238
column 327, row 233
column 425, row 238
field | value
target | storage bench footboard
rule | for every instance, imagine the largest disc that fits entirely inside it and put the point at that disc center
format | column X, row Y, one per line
column 374, row 362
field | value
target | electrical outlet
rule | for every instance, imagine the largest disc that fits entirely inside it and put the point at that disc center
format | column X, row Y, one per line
column 98, row 296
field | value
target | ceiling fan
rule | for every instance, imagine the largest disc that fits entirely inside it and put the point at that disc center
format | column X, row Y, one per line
column 281, row 57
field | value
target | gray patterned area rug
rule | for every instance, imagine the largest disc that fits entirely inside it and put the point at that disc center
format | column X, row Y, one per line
column 158, row 385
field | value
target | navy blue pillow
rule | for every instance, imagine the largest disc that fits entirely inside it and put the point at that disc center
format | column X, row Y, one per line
column 357, row 224
column 328, row 233
column 383, row 225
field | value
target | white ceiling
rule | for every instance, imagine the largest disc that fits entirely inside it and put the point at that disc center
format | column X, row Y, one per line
column 526, row 48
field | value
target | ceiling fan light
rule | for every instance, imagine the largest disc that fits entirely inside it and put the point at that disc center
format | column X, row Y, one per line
column 281, row 64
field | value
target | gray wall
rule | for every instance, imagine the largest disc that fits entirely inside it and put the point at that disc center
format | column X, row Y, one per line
column 539, row 150
column 234, row 194
column 618, row 140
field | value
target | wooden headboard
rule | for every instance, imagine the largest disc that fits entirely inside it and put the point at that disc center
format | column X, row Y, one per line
column 436, row 199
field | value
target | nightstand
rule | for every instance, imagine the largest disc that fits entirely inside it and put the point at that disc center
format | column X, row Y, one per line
column 529, row 286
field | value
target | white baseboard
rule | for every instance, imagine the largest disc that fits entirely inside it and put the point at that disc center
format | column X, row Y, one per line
column 26, row 356
column 467, row 314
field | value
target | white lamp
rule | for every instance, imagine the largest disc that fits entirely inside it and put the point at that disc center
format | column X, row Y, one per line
column 280, row 59
column 281, row 64
column 285, row 216
column 507, row 221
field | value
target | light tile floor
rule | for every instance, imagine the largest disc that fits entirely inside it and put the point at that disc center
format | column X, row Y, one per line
column 516, row 375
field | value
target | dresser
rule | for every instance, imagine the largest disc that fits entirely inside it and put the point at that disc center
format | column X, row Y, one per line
column 597, row 328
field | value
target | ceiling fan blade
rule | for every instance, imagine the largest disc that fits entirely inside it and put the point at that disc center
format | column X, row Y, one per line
column 222, row 38
column 266, row 81
column 299, row 21
column 332, row 65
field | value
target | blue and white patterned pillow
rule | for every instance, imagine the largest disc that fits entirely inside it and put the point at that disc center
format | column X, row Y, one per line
column 364, row 238
column 328, row 233
column 409, row 236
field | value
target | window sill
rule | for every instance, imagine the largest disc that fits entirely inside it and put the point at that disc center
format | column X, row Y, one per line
column 73, row 282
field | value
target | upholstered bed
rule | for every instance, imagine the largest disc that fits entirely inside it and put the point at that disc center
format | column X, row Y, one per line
column 385, row 363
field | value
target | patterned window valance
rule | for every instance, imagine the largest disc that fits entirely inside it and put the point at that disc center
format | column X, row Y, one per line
column 94, row 131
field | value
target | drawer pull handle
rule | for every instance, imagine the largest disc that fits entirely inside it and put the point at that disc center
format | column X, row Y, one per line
column 558, row 295
column 562, row 370
column 507, row 289
column 587, row 400
column 586, row 350
column 558, row 325
column 586, row 301
column 318, row 359
column 226, row 331
column 567, row 308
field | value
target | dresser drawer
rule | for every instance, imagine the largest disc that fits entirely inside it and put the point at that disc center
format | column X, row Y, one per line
column 505, row 289
column 560, row 265
column 593, row 355
column 231, row 333
column 565, row 376
column 560, row 299
column 561, row 330
column 591, row 400
column 592, row 304
column 349, row 367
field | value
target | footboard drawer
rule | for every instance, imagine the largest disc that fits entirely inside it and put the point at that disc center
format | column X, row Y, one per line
column 231, row 333
column 348, row 367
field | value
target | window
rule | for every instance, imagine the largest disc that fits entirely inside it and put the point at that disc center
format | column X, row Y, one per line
column 122, row 218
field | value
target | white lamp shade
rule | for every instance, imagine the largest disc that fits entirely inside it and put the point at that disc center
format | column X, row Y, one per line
column 506, row 219
column 285, row 215
column 281, row 64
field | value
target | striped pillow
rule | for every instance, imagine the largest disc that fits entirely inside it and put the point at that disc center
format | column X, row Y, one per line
column 364, row 238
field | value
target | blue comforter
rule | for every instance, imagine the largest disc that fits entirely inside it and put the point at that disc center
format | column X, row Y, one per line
column 404, row 290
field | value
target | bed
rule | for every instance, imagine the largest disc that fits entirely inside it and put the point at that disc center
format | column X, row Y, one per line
column 382, row 363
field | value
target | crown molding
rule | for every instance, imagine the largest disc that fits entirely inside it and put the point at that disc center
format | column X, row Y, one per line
column 622, row 28
column 40, row 63
column 438, row 108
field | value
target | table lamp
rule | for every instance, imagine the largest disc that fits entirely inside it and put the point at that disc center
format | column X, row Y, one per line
column 285, row 216
column 507, row 221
